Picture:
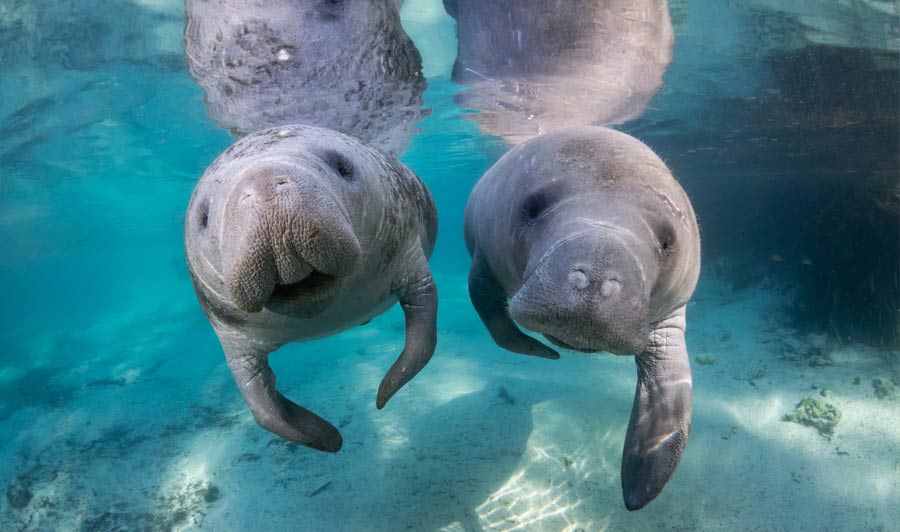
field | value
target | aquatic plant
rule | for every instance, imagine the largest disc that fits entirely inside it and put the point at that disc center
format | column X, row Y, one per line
column 706, row 360
column 815, row 413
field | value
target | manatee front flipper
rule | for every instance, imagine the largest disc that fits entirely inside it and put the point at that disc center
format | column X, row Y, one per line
column 490, row 301
column 418, row 298
column 249, row 363
column 661, row 414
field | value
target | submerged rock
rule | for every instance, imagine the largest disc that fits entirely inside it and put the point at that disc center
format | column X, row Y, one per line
column 815, row 413
column 884, row 388
column 18, row 495
column 211, row 493
column 505, row 396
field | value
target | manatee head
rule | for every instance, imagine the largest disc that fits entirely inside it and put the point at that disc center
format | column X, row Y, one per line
column 277, row 229
column 601, row 246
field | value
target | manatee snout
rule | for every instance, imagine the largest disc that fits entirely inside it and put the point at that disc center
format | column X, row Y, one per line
column 287, row 241
column 586, row 293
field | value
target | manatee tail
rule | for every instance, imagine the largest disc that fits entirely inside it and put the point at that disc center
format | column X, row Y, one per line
column 274, row 412
column 660, row 416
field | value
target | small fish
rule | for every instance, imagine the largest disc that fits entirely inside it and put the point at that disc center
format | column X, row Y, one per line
column 806, row 261
column 776, row 257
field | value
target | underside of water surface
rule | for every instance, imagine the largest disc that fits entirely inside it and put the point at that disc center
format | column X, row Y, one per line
column 781, row 120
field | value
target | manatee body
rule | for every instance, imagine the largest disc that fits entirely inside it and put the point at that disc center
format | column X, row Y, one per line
column 584, row 236
column 298, row 232
column 534, row 66
column 347, row 66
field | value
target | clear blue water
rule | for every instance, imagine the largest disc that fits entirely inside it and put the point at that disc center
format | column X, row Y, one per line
column 117, row 411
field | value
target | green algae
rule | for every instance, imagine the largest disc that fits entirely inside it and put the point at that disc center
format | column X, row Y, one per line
column 816, row 413
column 706, row 360
column 884, row 388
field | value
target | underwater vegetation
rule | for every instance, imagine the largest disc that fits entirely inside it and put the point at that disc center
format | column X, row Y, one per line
column 884, row 388
column 816, row 413
column 706, row 360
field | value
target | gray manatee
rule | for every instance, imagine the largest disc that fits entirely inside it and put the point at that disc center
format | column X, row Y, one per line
column 342, row 65
column 534, row 66
column 295, row 233
column 584, row 236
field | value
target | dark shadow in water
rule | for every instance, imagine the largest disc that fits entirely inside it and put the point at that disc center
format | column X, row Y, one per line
column 457, row 456
column 444, row 464
column 35, row 388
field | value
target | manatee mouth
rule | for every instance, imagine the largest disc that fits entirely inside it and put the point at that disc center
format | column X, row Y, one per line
column 306, row 287
column 565, row 345
column 306, row 297
column 608, row 342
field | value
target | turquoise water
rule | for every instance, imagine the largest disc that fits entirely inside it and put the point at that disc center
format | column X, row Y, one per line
column 118, row 412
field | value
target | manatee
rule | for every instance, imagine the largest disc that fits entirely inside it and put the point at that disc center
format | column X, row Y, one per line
column 533, row 66
column 347, row 66
column 298, row 232
column 583, row 235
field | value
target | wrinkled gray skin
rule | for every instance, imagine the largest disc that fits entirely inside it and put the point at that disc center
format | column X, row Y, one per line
column 538, row 65
column 584, row 236
column 296, row 233
column 345, row 65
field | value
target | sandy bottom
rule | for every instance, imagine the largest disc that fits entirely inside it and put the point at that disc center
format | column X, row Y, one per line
column 135, row 424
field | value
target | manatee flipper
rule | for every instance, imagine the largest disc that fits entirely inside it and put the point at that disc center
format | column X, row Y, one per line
column 490, row 301
column 418, row 298
column 274, row 412
column 661, row 414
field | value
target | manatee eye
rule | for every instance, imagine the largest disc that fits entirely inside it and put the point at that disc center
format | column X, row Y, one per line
column 665, row 235
column 340, row 164
column 203, row 213
column 534, row 206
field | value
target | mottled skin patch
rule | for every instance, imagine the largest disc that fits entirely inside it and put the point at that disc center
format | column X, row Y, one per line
column 347, row 66
column 296, row 233
column 538, row 65
column 583, row 235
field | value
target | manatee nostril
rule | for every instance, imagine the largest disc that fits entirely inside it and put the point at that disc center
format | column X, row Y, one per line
column 578, row 279
column 610, row 288
column 245, row 198
column 282, row 184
